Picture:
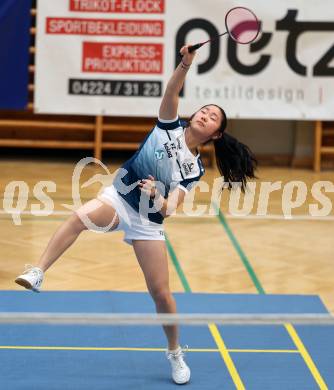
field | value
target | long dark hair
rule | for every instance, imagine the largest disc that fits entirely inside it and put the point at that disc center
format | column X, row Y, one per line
column 235, row 161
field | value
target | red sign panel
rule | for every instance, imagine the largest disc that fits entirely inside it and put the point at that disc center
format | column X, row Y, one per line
column 119, row 6
column 114, row 27
column 122, row 58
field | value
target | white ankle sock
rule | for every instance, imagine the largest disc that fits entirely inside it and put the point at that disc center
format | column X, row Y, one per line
column 174, row 351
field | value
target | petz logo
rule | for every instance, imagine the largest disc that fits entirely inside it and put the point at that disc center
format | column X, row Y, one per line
column 159, row 154
column 289, row 23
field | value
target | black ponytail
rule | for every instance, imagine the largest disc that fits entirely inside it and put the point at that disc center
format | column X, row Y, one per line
column 235, row 161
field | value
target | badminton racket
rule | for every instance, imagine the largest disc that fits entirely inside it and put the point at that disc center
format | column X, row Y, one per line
column 241, row 24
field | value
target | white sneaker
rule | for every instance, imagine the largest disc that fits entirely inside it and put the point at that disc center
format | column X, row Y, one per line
column 31, row 278
column 180, row 370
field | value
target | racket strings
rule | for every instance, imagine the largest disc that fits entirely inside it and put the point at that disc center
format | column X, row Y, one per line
column 242, row 25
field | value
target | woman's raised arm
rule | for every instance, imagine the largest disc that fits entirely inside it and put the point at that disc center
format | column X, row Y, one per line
column 170, row 100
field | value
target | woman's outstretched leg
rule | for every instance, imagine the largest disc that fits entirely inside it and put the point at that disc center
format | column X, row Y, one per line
column 152, row 258
column 97, row 212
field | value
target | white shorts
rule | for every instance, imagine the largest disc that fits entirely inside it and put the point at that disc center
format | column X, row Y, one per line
column 135, row 226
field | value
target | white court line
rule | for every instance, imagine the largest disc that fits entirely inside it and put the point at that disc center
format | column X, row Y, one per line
column 164, row 318
column 279, row 217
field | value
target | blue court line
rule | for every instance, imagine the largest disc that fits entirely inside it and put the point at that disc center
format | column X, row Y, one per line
column 289, row 327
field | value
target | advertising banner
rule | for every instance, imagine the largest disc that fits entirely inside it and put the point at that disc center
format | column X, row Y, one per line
column 114, row 57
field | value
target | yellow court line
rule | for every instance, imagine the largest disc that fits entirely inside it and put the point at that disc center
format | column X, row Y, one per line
column 264, row 350
column 206, row 350
column 226, row 357
column 306, row 356
column 51, row 348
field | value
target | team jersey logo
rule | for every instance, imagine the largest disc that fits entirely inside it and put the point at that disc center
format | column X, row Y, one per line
column 179, row 143
column 170, row 148
column 159, row 154
column 188, row 166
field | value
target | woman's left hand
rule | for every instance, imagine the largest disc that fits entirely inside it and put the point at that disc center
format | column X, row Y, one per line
column 148, row 186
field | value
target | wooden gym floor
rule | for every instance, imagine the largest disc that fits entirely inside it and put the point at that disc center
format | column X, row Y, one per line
column 286, row 256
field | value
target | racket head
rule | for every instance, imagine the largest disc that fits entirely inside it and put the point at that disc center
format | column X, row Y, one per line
column 242, row 25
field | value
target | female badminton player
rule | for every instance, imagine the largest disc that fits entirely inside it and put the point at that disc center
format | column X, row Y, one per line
column 154, row 184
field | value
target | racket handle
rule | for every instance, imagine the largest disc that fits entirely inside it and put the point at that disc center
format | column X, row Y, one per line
column 195, row 47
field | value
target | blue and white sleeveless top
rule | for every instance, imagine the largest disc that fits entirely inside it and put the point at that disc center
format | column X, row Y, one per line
column 165, row 156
